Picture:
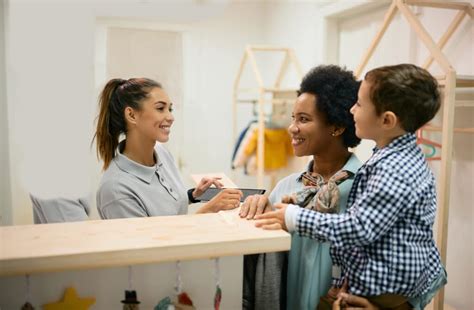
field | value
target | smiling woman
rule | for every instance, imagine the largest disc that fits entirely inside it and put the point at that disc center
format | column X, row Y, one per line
column 321, row 127
column 141, row 178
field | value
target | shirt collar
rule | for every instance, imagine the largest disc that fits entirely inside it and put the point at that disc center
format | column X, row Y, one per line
column 127, row 165
column 351, row 165
column 397, row 144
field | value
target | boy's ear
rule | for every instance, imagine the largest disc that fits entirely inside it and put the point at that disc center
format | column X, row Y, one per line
column 389, row 120
column 130, row 115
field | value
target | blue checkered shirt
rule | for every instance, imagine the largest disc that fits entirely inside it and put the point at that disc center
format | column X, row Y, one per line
column 384, row 242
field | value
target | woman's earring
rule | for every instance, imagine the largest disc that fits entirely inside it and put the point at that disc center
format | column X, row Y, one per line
column 333, row 134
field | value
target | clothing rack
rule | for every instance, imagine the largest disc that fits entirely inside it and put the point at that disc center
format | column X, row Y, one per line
column 448, row 83
column 263, row 95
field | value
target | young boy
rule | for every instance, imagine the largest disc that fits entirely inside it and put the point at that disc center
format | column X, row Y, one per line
column 383, row 245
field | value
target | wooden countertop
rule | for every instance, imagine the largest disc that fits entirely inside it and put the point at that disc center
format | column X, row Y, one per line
column 28, row 249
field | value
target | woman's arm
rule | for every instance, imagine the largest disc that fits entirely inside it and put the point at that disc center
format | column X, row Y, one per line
column 122, row 208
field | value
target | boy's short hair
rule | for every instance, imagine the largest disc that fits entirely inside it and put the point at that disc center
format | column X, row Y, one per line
column 406, row 90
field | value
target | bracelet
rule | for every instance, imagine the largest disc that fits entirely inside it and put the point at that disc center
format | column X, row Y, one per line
column 190, row 196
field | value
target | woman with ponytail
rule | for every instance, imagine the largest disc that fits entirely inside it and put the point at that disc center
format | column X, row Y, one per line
column 141, row 178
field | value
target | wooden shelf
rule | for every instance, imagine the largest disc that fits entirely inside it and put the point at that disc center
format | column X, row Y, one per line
column 461, row 81
column 440, row 4
column 465, row 103
column 31, row 249
column 265, row 48
column 439, row 129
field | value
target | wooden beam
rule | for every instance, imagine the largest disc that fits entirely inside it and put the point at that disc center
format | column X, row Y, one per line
column 266, row 101
column 440, row 129
column 445, row 178
column 446, row 36
column 386, row 22
column 283, row 69
column 296, row 63
column 239, row 72
column 261, row 141
column 265, row 48
column 280, row 90
column 439, row 4
column 424, row 36
column 253, row 63
column 462, row 81
column 235, row 95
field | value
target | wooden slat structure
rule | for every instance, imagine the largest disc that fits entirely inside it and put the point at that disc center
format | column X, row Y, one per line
column 261, row 93
column 449, row 82
column 28, row 249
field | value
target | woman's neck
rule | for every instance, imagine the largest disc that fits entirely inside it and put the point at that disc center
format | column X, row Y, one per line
column 329, row 163
column 140, row 151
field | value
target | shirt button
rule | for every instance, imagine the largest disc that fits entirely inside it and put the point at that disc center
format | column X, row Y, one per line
column 171, row 190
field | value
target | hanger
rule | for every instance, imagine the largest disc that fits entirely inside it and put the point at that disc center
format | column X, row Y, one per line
column 427, row 143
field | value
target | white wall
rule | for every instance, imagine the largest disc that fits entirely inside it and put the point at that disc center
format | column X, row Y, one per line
column 212, row 52
column 155, row 54
column 50, row 101
column 5, row 194
column 295, row 25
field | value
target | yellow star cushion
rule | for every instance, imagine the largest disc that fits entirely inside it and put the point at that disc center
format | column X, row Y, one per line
column 71, row 302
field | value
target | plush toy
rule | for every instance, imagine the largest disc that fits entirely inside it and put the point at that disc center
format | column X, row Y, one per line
column 130, row 302
column 71, row 302
column 27, row 306
column 183, row 302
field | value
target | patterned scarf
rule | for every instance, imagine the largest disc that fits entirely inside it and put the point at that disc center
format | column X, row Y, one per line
column 319, row 195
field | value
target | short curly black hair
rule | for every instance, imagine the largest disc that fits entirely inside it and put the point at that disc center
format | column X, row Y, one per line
column 336, row 91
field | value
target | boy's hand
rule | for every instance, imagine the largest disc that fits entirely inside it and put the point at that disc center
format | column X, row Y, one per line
column 273, row 220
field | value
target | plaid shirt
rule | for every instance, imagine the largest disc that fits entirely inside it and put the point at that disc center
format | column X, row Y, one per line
column 384, row 242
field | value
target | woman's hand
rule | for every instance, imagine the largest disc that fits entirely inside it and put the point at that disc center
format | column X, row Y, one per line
column 352, row 302
column 204, row 184
column 255, row 205
column 273, row 220
column 227, row 199
column 344, row 300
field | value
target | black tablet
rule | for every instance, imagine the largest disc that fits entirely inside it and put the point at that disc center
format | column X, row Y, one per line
column 212, row 191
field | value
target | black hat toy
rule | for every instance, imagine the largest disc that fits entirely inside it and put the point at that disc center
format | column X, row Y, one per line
column 130, row 297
